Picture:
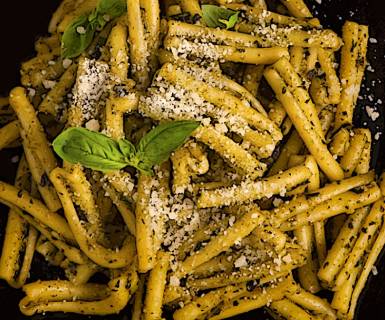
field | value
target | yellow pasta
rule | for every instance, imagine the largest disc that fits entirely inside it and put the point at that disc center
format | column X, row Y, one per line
column 138, row 300
column 106, row 257
column 207, row 223
column 232, row 152
column 155, row 287
column 343, row 203
column 252, row 77
column 353, row 62
column 297, row 8
column 190, row 31
column 284, row 37
column 306, row 237
column 49, row 251
column 240, row 229
column 16, row 243
column 353, row 154
column 302, row 203
column 54, row 98
column 119, row 293
column 367, row 268
column 369, row 228
column 32, row 126
column 228, row 53
column 290, row 310
column 9, row 133
column 332, row 81
column 252, row 190
column 341, row 247
column 312, row 302
column 46, row 190
column 304, row 127
column 255, row 299
column 340, row 142
column 139, row 45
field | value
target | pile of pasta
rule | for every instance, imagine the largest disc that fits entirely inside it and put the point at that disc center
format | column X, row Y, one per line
column 270, row 201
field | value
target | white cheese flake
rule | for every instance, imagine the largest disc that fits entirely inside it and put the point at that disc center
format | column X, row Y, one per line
column 80, row 30
column 66, row 63
column 93, row 125
column 174, row 281
column 91, row 85
column 241, row 262
column 374, row 270
column 48, row 84
column 15, row 159
column 372, row 113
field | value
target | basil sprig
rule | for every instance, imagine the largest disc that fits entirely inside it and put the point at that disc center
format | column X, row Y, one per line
column 97, row 151
column 79, row 34
column 214, row 16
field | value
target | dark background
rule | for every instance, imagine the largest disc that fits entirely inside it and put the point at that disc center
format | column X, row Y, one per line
column 22, row 22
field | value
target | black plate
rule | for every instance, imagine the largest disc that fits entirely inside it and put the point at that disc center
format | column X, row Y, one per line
column 22, row 21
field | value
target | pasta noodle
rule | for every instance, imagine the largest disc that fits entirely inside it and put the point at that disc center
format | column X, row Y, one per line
column 198, row 155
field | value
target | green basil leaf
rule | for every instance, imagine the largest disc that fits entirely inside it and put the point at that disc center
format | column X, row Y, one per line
column 214, row 16
column 145, row 169
column 231, row 22
column 93, row 16
column 74, row 43
column 96, row 151
column 91, row 149
column 111, row 8
column 157, row 145
column 126, row 148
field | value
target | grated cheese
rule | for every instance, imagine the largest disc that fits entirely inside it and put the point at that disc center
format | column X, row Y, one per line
column 90, row 86
column 372, row 113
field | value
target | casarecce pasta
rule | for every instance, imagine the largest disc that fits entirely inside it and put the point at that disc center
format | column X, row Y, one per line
column 265, row 162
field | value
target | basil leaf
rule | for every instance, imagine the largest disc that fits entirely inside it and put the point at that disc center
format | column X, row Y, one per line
column 74, row 43
column 157, row 145
column 214, row 16
column 126, row 148
column 93, row 16
column 91, row 149
column 145, row 168
column 96, row 151
column 231, row 22
column 111, row 8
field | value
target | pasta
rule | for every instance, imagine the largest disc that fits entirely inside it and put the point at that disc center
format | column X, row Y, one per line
column 197, row 154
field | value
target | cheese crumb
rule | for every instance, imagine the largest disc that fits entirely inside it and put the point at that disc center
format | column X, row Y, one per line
column 287, row 258
column 374, row 270
column 81, row 30
column 49, row 84
column 66, row 63
column 174, row 281
column 240, row 262
column 31, row 92
column 15, row 159
column 90, row 87
column 231, row 220
column 93, row 125
column 372, row 113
